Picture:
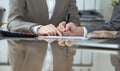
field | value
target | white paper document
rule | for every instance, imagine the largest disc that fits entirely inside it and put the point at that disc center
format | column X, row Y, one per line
column 64, row 37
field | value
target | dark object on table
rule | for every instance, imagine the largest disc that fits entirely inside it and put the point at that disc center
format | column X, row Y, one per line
column 90, row 15
column 15, row 34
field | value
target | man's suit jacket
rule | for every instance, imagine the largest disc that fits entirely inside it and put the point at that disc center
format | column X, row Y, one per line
column 113, row 24
column 25, row 13
column 29, row 55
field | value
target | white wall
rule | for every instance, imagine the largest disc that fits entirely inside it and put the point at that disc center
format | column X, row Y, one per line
column 93, row 60
column 5, row 4
column 4, row 55
column 106, row 9
column 103, row 6
column 88, row 4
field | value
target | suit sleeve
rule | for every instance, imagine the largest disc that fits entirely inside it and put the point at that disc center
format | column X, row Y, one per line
column 118, row 34
column 16, row 20
column 114, row 23
column 73, row 10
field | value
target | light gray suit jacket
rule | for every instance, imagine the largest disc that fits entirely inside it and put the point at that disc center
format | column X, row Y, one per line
column 25, row 13
column 29, row 55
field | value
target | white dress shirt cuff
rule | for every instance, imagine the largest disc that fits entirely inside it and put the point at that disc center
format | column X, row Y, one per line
column 85, row 32
column 35, row 29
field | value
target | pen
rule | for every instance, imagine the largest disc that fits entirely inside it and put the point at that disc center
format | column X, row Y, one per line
column 67, row 20
column 65, row 32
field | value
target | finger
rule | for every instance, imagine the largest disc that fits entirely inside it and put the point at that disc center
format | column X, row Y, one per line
column 47, row 32
column 60, row 29
column 69, row 26
column 106, row 35
column 102, row 34
column 59, row 33
column 61, row 42
column 98, row 32
column 43, row 31
column 70, row 33
column 53, row 30
column 68, row 43
column 62, row 26
column 95, row 32
column 49, row 40
column 93, row 35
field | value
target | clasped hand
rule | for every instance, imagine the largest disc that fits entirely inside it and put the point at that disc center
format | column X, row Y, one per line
column 51, row 30
column 102, row 34
column 48, row 30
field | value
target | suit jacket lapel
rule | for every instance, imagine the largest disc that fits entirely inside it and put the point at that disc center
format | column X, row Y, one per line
column 44, row 13
column 59, row 6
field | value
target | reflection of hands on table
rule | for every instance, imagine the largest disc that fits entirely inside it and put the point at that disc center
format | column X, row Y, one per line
column 49, row 40
column 63, row 42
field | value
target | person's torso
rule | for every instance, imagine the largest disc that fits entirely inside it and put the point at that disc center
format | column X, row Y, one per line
column 37, row 11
